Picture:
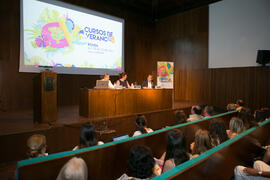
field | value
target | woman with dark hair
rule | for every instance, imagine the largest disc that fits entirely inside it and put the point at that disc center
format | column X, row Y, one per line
column 176, row 150
column 140, row 163
column 246, row 116
column 217, row 131
column 201, row 144
column 123, row 80
column 88, row 137
column 180, row 116
column 141, row 124
column 259, row 116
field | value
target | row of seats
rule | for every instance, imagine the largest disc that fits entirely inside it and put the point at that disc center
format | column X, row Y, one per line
column 108, row 161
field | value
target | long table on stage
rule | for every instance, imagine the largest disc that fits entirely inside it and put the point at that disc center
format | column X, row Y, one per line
column 112, row 102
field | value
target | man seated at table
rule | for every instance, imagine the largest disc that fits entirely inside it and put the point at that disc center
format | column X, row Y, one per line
column 148, row 83
column 107, row 78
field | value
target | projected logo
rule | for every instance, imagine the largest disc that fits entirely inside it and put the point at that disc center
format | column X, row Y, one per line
column 52, row 32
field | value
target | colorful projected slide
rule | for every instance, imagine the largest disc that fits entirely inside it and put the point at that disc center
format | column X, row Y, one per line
column 65, row 38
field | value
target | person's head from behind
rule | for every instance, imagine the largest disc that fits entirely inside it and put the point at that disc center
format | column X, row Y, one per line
column 176, row 147
column 231, row 107
column 180, row 116
column 202, row 142
column 106, row 77
column 123, row 76
column 259, row 115
column 141, row 123
column 196, row 110
column 217, row 130
column 140, row 162
column 74, row 169
column 36, row 145
column 240, row 103
column 88, row 135
column 246, row 116
column 149, row 77
column 208, row 111
column 236, row 125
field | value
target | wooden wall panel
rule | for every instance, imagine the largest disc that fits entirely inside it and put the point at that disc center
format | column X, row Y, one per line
column 137, row 58
column 183, row 38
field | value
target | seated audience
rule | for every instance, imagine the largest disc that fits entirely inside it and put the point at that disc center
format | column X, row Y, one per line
column 141, row 124
column 267, row 112
column 37, row 146
column 176, row 152
column 74, row 169
column 148, row 83
column 180, row 116
column 236, row 127
column 106, row 77
column 201, row 144
column 246, row 116
column 140, row 163
column 123, row 80
column 231, row 107
column 88, row 137
column 239, row 104
column 196, row 112
column 259, row 116
column 208, row 111
column 260, row 170
column 217, row 132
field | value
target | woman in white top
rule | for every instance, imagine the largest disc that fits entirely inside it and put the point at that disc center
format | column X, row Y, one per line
column 88, row 137
column 142, row 128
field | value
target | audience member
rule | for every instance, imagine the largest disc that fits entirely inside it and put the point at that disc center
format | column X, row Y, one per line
column 180, row 116
column 142, row 127
column 201, row 144
column 74, row 169
column 259, row 116
column 239, row 104
column 217, row 132
column 196, row 112
column 88, row 137
column 231, row 107
column 208, row 111
column 140, row 163
column 260, row 170
column 176, row 152
column 246, row 116
column 236, row 127
column 37, row 146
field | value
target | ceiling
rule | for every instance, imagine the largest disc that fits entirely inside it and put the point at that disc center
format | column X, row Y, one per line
column 157, row 9
column 150, row 10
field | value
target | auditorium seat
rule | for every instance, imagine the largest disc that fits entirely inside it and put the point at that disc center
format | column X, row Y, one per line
column 109, row 161
column 219, row 162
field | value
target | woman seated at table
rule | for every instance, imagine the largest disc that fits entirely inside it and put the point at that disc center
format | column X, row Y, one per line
column 123, row 80
column 107, row 78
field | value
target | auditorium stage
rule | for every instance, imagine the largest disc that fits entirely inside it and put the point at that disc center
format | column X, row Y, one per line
column 22, row 121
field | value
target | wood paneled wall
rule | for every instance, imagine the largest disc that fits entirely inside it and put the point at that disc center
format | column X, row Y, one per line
column 181, row 38
column 16, row 89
